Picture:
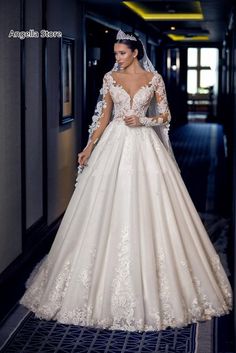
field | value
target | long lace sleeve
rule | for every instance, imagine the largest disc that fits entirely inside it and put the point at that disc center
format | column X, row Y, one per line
column 102, row 113
column 163, row 116
column 100, row 119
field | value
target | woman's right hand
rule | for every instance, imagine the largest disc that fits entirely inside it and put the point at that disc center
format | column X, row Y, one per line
column 84, row 155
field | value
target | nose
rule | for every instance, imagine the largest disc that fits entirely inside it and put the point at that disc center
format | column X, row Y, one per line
column 118, row 57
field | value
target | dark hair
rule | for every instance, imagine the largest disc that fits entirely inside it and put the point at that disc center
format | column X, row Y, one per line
column 133, row 44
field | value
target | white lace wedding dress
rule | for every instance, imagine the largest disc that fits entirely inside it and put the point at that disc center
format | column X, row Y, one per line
column 131, row 252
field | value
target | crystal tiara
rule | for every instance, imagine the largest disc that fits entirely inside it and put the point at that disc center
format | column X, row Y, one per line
column 122, row 35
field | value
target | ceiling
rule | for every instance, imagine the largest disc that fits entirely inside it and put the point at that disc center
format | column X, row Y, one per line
column 210, row 29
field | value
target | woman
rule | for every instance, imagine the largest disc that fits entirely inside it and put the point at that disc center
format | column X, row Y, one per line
column 131, row 252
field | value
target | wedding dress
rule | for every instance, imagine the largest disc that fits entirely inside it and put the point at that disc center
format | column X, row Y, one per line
column 131, row 252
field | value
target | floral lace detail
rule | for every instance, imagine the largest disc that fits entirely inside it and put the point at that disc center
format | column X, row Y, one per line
column 85, row 274
column 162, row 102
column 100, row 105
column 165, row 317
column 139, row 103
column 96, row 118
column 162, row 106
column 78, row 316
column 33, row 296
column 154, row 121
column 202, row 308
column 123, row 104
column 123, row 301
column 216, row 264
column 35, row 285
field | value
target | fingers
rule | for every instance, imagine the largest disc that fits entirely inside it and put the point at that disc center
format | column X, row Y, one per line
column 82, row 159
column 130, row 120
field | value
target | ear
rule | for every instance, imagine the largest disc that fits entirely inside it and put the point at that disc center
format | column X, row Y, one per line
column 135, row 52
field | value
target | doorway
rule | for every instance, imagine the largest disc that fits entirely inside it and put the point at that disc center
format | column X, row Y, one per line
column 99, row 59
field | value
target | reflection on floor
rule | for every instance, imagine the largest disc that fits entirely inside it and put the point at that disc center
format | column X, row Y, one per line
column 197, row 117
column 200, row 152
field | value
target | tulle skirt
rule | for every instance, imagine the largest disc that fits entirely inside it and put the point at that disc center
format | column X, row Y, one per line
column 131, row 252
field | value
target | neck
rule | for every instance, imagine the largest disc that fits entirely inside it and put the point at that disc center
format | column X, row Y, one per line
column 133, row 68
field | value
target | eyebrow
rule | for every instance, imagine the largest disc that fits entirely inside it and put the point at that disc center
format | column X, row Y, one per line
column 118, row 51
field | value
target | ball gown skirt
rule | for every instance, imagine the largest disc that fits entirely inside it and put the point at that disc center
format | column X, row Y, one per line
column 131, row 252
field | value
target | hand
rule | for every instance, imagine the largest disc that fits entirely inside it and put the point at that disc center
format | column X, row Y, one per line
column 164, row 116
column 132, row 120
column 84, row 155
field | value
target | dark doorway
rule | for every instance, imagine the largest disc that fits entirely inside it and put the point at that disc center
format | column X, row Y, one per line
column 99, row 60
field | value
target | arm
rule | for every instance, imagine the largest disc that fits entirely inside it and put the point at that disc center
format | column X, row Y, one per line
column 100, row 120
column 163, row 117
column 102, row 115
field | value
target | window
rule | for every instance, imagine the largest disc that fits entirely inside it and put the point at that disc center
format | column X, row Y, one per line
column 202, row 70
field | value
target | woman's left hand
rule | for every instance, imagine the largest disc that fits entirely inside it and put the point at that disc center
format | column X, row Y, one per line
column 132, row 120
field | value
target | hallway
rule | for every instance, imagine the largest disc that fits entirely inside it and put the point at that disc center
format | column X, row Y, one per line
column 49, row 87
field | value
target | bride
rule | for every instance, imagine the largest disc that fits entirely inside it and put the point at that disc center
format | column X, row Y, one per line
column 131, row 252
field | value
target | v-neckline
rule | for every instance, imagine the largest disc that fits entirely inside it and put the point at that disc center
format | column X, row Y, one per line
column 149, row 84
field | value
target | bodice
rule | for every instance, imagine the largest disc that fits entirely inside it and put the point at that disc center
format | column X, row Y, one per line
column 124, row 104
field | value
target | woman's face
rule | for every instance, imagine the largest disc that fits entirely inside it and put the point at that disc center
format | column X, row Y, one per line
column 124, row 55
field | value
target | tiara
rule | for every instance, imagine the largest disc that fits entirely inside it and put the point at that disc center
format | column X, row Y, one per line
column 122, row 35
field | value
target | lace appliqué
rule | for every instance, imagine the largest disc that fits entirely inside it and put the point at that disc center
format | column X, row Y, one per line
column 82, row 314
column 202, row 308
column 85, row 274
column 123, row 301
column 162, row 107
column 96, row 118
column 152, row 121
column 33, row 297
column 216, row 264
column 165, row 317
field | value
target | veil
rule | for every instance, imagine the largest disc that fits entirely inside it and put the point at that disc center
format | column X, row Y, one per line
column 162, row 130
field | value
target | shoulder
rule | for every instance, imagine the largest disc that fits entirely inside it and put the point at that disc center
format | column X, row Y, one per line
column 158, row 80
column 107, row 78
column 149, row 75
column 107, row 75
column 157, row 76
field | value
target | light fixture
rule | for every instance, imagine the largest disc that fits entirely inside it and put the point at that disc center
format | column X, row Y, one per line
column 182, row 37
column 172, row 28
column 168, row 15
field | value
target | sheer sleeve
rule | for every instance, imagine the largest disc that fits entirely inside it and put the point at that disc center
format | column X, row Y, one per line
column 163, row 116
column 102, row 112
column 100, row 119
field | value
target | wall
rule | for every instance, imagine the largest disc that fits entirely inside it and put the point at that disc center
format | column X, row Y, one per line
column 63, row 142
column 10, row 136
column 34, row 147
column 33, row 115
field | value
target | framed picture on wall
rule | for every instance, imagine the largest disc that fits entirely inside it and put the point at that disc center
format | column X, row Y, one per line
column 66, row 80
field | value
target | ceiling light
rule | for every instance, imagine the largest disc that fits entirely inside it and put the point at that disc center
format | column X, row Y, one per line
column 170, row 14
column 179, row 37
